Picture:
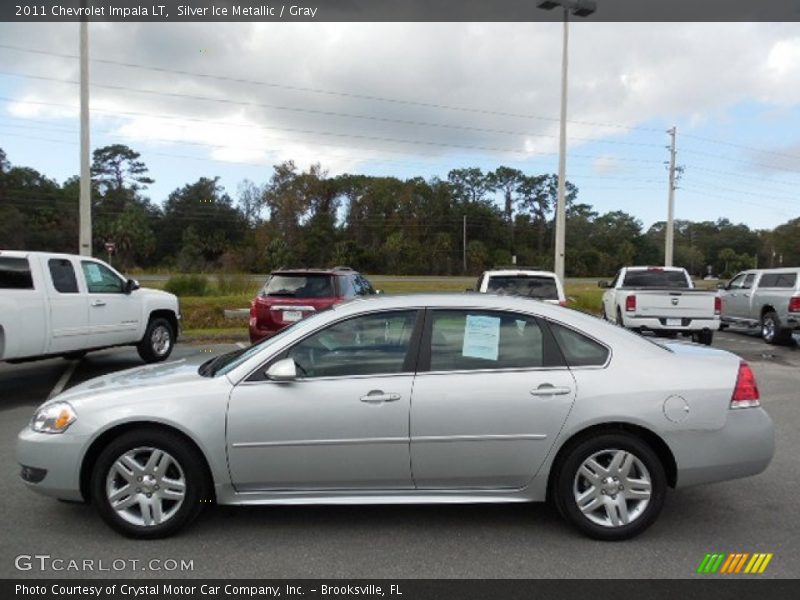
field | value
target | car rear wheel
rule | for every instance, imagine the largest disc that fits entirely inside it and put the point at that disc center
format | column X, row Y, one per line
column 158, row 341
column 148, row 484
column 610, row 487
column 771, row 329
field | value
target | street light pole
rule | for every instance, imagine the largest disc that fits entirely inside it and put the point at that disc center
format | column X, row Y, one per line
column 561, row 202
column 579, row 8
column 85, row 202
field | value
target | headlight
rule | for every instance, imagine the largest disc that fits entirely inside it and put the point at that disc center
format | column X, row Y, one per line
column 53, row 418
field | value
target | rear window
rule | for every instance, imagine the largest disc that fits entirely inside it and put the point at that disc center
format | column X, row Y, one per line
column 15, row 274
column 655, row 279
column 579, row 350
column 543, row 288
column 778, row 280
column 299, row 286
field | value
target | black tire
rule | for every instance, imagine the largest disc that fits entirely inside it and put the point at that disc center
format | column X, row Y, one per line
column 620, row 322
column 189, row 465
column 772, row 331
column 567, row 485
column 703, row 337
column 150, row 348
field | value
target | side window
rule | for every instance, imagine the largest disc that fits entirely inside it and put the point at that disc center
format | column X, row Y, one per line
column 768, row 280
column 579, row 350
column 748, row 282
column 473, row 340
column 366, row 288
column 100, row 279
column 374, row 344
column 63, row 275
column 737, row 282
column 15, row 274
column 346, row 287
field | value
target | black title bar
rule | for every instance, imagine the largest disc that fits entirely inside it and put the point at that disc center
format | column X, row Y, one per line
column 396, row 10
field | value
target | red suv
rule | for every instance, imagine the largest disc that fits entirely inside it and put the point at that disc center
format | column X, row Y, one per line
column 289, row 295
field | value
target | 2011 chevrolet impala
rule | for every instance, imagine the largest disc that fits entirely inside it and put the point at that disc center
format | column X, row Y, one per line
column 415, row 399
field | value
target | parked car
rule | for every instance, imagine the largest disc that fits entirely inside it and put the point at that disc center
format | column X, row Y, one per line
column 290, row 295
column 662, row 300
column 67, row 305
column 765, row 298
column 541, row 285
column 450, row 398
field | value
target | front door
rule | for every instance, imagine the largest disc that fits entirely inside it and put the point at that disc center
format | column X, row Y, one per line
column 736, row 297
column 487, row 408
column 114, row 316
column 342, row 424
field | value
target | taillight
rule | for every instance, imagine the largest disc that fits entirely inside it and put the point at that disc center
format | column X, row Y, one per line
column 630, row 303
column 253, row 308
column 717, row 305
column 745, row 394
column 794, row 304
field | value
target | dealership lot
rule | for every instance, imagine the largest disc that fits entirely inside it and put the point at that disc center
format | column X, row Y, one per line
column 758, row 514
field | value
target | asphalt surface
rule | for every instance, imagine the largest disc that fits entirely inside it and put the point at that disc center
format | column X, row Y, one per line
column 758, row 514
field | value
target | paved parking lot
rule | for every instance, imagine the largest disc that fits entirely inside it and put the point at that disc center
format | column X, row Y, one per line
column 755, row 514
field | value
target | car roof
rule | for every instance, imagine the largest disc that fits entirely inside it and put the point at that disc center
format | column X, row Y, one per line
column 331, row 271
column 31, row 253
column 520, row 272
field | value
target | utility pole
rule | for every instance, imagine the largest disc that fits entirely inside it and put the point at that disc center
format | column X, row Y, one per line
column 85, row 232
column 464, row 243
column 670, row 234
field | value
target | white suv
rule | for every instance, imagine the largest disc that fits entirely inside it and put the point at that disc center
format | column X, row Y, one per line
column 540, row 285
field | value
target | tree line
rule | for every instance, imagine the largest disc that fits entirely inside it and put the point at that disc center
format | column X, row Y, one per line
column 381, row 225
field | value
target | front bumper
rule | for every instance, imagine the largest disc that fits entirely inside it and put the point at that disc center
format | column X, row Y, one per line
column 743, row 447
column 59, row 455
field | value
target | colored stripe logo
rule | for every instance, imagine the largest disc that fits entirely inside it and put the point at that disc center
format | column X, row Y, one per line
column 735, row 562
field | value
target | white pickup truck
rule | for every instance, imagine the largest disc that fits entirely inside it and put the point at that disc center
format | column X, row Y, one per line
column 67, row 305
column 662, row 300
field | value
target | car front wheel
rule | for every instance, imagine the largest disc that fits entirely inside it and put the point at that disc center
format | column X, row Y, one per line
column 158, row 341
column 610, row 487
column 148, row 484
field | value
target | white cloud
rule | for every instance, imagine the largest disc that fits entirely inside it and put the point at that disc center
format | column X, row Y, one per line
column 620, row 73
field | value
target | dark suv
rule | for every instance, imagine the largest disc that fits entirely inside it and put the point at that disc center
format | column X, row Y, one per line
column 289, row 295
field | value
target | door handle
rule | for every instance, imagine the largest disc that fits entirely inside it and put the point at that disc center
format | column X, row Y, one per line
column 547, row 389
column 98, row 303
column 377, row 396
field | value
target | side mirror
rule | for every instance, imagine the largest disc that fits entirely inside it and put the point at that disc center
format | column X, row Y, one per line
column 378, row 292
column 283, row 370
column 131, row 285
column 603, row 284
column 722, row 286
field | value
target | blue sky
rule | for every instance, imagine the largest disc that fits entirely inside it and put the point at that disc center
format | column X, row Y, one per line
column 359, row 100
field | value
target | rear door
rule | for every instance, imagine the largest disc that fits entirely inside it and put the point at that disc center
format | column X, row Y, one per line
column 490, row 396
column 69, row 306
column 114, row 316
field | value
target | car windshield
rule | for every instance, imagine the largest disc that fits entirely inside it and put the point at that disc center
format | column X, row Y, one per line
column 224, row 363
column 656, row 278
column 531, row 286
column 299, row 286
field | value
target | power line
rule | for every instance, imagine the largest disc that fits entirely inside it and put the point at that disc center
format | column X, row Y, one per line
column 328, row 113
column 327, row 92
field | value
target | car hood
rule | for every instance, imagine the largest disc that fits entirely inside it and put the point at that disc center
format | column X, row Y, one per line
column 149, row 376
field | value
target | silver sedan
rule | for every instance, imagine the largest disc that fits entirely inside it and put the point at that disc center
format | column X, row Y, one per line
column 416, row 399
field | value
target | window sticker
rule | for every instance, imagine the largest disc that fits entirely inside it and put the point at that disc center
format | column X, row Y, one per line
column 94, row 273
column 481, row 337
